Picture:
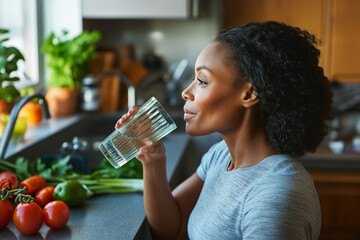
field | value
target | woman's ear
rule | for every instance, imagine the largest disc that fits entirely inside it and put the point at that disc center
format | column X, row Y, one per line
column 249, row 96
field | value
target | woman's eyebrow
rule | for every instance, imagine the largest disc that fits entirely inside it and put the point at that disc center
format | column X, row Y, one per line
column 204, row 68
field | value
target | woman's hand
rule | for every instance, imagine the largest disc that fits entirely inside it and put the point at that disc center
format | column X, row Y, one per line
column 152, row 152
column 149, row 153
column 126, row 116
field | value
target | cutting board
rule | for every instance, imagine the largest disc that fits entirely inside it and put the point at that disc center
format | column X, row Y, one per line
column 109, row 86
column 110, row 94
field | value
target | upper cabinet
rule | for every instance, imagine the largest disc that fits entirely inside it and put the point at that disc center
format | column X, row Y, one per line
column 335, row 22
column 139, row 9
column 344, row 48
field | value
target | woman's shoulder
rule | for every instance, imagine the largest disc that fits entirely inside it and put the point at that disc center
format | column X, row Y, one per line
column 291, row 169
column 287, row 177
column 284, row 201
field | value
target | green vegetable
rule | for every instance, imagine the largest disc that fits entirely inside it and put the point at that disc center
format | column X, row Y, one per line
column 23, row 168
column 132, row 169
column 71, row 192
column 102, row 180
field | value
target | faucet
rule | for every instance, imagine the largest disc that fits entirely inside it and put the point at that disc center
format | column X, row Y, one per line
column 13, row 116
column 126, row 81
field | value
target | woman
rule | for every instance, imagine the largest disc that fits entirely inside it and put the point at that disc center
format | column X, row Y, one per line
column 259, row 85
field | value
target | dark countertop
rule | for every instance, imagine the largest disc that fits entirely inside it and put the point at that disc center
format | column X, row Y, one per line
column 325, row 159
column 111, row 216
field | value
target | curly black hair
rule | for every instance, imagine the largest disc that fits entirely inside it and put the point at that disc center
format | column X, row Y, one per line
column 282, row 64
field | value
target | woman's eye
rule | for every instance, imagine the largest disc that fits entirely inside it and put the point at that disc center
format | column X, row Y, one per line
column 201, row 82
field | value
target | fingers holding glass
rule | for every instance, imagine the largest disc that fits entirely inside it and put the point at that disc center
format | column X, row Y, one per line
column 126, row 116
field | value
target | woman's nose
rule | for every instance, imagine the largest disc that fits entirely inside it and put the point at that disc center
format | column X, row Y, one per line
column 186, row 94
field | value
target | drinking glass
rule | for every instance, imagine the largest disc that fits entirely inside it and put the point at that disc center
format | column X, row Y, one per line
column 148, row 125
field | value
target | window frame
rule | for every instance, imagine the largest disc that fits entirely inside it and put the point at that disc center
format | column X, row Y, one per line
column 28, row 41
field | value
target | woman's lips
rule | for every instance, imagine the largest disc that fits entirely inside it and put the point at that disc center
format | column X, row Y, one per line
column 188, row 114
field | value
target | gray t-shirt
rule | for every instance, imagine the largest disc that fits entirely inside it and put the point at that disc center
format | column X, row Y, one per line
column 275, row 199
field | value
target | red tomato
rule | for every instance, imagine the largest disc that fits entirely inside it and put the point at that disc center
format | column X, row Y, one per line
column 8, row 179
column 33, row 184
column 56, row 214
column 44, row 196
column 6, row 211
column 28, row 218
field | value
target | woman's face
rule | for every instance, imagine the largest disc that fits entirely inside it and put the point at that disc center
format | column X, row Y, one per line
column 212, row 101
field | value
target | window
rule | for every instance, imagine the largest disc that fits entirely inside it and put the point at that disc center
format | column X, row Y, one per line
column 20, row 18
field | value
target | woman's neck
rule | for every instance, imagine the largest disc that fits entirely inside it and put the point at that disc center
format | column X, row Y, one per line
column 248, row 144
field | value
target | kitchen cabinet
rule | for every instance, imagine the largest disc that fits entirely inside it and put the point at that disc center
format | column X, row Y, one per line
column 140, row 9
column 335, row 22
column 337, row 181
column 345, row 41
column 339, row 194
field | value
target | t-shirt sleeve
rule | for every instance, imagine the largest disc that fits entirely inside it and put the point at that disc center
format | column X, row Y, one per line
column 280, row 211
column 208, row 160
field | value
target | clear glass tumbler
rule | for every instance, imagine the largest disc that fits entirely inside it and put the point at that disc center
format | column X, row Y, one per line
column 148, row 125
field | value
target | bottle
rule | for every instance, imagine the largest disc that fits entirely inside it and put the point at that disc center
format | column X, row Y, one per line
column 90, row 94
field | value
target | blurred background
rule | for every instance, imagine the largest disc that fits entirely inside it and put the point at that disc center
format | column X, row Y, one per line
column 149, row 48
column 158, row 34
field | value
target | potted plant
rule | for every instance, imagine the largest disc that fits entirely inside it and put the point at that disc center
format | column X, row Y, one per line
column 68, row 61
column 9, row 58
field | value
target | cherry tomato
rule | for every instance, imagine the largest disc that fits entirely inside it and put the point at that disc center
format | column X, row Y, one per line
column 28, row 218
column 44, row 196
column 6, row 211
column 33, row 184
column 56, row 214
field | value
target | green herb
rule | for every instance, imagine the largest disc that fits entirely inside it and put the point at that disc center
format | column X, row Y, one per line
column 68, row 59
column 103, row 179
column 132, row 169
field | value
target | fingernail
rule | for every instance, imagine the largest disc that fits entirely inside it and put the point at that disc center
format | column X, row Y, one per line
column 131, row 111
column 143, row 150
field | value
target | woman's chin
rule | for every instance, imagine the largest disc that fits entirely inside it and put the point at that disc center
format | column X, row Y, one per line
column 191, row 131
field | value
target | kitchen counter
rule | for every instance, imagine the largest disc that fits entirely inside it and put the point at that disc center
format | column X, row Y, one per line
column 108, row 216
column 325, row 159
column 120, row 216
column 111, row 216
